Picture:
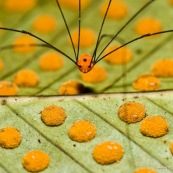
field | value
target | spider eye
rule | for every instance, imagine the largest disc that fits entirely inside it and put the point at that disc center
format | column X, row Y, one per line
column 89, row 66
column 79, row 66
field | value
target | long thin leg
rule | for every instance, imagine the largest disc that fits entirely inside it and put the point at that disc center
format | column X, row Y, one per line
column 49, row 45
column 79, row 30
column 98, row 39
column 121, row 29
column 11, row 46
column 135, row 39
column 62, row 14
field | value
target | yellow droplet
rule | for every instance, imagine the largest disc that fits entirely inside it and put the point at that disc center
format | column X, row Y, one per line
column 146, row 82
column 26, row 78
column 23, row 6
column 82, row 131
column 87, row 37
column 53, row 115
column 10, row 137
column 121, row 56
column 154, row 126
column 25, row 41
column 118, row 9
column 8, row 88
column 51, row 61
column 131, row 112
column 96, row 75
column 148, row 25
column 35, row 161
column 71, row 88
column 45, row 24
column 163, row 68
column 145, row 170
column 108, row 152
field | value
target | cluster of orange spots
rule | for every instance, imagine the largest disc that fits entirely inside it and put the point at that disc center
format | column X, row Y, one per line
column 26, row 78
column 108, row 152
column 154, row 126
column 163, row 68
column 53, row 115
column 23, row 6
column 10, row 137
column 148, row 25
column 145, row 170
column 146, row 82
column 118, row 9
column 82, row 131
column 35, row 161
column 50, row 61
column 25, row 41
column 44, row 24
column 121, row 56
column 71, row 88
column 8, row 88
column 87, row 37
column 96, row 75
column 131, row 112
column 171, row 147
column 74, row 4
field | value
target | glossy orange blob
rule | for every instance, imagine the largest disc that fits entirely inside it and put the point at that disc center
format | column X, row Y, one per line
column 85, row 63
column 22, row 6
column 96, row 75
column 8, row 88
column 163, row 68
column 146, row 82
column 148, row 25
column 74, row 4
column 108, row 152
column 44, row 24
column 118, row 9
column 145, row 170
column 121, row 56
column 87, row 37
column 26, row 41
column 171, row 2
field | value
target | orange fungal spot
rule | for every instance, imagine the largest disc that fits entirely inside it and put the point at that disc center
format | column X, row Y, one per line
column 146, row 82
column 131, row 112
column 10, row 137
column 44, row 24
column 148, row 25
column 154, row 126
column 1, row 65
column 35, row 161
column 25, row 41
column 171, row 2
column 23, row 6
column 121, row 56
column 53, row 115
column 26, row 78
column 163, row 68
column 118, row 9
column 85, row 63
column 87, row 37
column 74, row 5
column 145, row 170
column 108, row 152
column 171, row 147
column 96, row 75
column 71, row 88
column 8, row 89
column 50, row 61
column 82, row 131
